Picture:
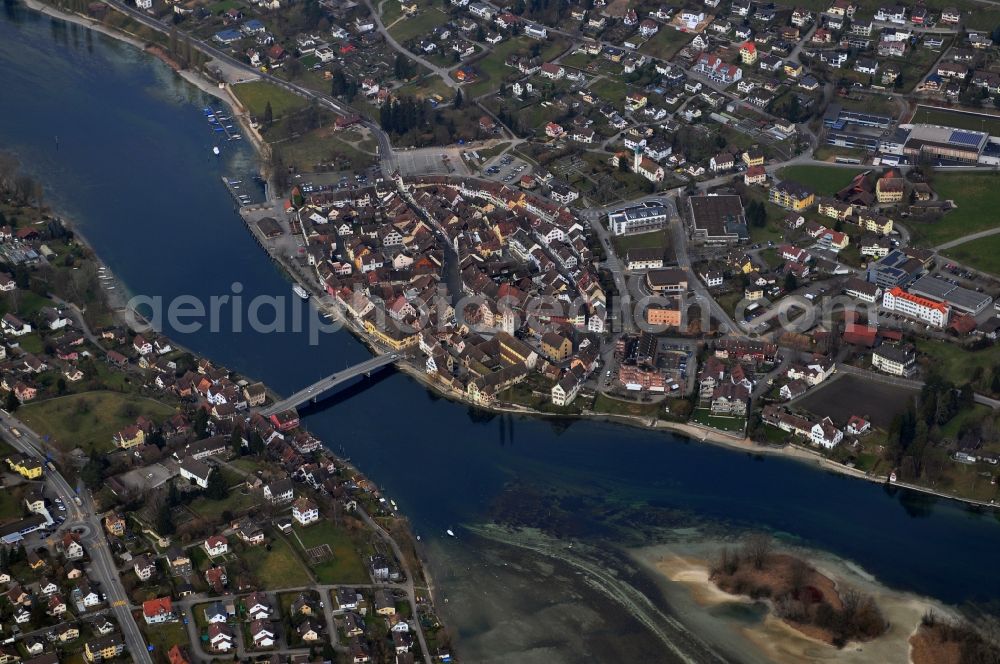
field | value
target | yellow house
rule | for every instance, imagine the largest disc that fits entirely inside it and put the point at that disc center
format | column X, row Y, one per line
column 793, row 69
column 556, row 347
column 129, row 437
column 753, row 157
column 25, row 466
column 389, row 334
column 835, row 209
column 875, row 223
column 752, row 293
column 69, row 633
column 792, row 196
column 115, row 524
column 748, row 53
column 104, row 647
column 890, row 189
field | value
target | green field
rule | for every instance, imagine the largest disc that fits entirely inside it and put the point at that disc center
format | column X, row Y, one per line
column 89, row 420
column 164, row 637
column 654, row 240
column 278, row 568
column 606, row 404
column 347, row 565
column 666, row 43
column 955, row 363
column 977, row 197
column 416, row 26
column 11, row 506
column 255, row 95
column 823, row 180
column 322, row 145
column 957, row 119
column 982, row 254
column 211, row 510
column 610, row 89
column 704, row 417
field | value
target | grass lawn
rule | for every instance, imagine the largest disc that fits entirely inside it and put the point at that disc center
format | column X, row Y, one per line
column 655, row 240
column 278, row 568
column 666, row 43
column 24, row 303
column 959, row 119
column 347, row 565
column 164, row 637
column 235, row 502
column 610, row 89
column 774, row 435
column 968, row 416
column 982, row 254
column 10, row 504
column 824, row 180
column 954, row 362
column 704, row 417
column 607, row 404
column 415, row 26
column 977, row 197
column 427, row 86
column 89, row 420
column 321, row 145
column 255, row 95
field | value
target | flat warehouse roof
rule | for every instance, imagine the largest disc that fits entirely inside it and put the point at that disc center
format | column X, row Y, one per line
column 957, row 296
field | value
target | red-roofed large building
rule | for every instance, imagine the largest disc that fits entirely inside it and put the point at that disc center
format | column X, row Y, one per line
column 925, row 309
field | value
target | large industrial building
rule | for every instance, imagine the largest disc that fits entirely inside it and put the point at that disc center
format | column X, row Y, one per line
column 963, row 299
column 945, row 143
column 718, row 219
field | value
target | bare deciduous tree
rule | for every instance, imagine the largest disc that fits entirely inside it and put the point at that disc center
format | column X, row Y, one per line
column 756, row 549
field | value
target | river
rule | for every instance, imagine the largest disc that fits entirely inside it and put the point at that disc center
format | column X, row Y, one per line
column 132, row 167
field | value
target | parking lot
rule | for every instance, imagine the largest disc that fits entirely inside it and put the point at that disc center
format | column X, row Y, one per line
column 428, row 161
column 507, row 169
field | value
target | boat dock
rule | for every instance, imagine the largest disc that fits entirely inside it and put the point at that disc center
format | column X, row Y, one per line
column 222, row 123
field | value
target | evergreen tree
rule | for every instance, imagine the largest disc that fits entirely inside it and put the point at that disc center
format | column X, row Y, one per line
column 791, row 283
column 201, row 423
column 458, row 99
column 236, row 441
column 164, row 521
column 268, row 115
column 217, row 488
column 338, row 84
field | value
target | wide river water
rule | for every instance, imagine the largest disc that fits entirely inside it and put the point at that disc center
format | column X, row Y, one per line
column 125, row 151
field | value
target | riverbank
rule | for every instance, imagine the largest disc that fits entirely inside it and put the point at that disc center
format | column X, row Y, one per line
column 221, row 91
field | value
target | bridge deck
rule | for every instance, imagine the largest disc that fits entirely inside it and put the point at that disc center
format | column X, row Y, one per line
column 321, row 386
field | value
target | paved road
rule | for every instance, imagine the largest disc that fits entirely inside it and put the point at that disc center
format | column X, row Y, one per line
column 440, row 71
column 102, row 562
column 967, row 238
